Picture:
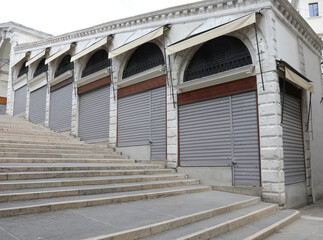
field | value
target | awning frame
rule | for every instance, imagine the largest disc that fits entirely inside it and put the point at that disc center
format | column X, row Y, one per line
column 27, row 54
column 284, row 67
column 59, row 53
column 37, row 57
column 211, row 33
column 93, row 47
column 138, row 41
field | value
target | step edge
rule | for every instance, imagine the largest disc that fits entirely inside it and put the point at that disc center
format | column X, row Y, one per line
column 266, row 232
column 163, row 226
column 227, row 226
column 9, row 212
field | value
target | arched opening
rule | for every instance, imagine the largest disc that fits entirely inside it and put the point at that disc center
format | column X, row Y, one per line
column 23, row 70
column 64, row 65
column 145, row 57
column 41, row 68
column 98, row 61
column 217, row 55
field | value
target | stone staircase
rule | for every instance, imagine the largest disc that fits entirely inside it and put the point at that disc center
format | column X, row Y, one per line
column 43, row 173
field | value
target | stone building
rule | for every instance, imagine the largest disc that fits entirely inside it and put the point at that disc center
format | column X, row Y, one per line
column 312, row 12
column 11, row 35
column 226, row 91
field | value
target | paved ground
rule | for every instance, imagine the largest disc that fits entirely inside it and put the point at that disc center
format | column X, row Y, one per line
column 309, row 226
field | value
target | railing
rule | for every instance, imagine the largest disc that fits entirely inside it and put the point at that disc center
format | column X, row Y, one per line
column 41, row 70
column 130, row 71
column 63, row 69
column 97, row 67
column 213, row 67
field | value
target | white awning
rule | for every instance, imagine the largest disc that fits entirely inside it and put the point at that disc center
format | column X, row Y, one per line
column 38, row 56
column 91, row 48
column 137, row 42
column 20, row 57
column 211, row 34
column 298, row 80
column 58, row 53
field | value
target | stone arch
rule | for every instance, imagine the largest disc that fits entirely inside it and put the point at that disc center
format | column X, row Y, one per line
column 64, row 63
column 40, row 66
column 98, row 57
column 121, row 61
column 246, row 36
column 155, row 45
column 80, row 64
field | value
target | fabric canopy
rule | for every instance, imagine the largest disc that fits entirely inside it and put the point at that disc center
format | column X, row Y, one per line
column 211, row 34
column 137, row 42
column 20, row 57
column 91, row 48
column 38, row 56
column 298, row 80
column 58, row 53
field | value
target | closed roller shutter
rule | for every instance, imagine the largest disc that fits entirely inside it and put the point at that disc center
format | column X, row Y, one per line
column 3, row 109
column 37, row 109
column 134, row 120
column 94, row 115
column 158, row 124
column 142, row 121
column 218, row 131
column 60, row 112
column 294, row 161
column 205, row 133
column 245, row 139
column 20, row 101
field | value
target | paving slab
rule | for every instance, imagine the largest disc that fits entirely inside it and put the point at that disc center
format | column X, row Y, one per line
column 308, row 227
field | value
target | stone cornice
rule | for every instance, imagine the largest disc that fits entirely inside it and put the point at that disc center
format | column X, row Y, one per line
column 12, row 26
column 295, row 20
column 194, row 11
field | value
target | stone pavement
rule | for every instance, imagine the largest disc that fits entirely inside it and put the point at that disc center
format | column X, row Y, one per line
column 309, row 226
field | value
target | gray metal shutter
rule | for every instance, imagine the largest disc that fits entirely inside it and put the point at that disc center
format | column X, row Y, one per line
column 94, row 115
column 134, row 120
column 158, row 124
column 245, row 139
column 60, row 110
column 294, row 160
column 20, row 101
column 3, row 108
column 205, row 133
column 37, row 109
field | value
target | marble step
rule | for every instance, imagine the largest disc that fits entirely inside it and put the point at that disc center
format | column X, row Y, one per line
column 63, row 182
column 54, row 192
column 42, row 167
column 74, row 174
column 55, row 204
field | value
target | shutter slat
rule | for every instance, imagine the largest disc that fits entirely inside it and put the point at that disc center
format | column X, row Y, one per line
column 94, row 115
column 20, row 101
column 37, row 109
column 294, row 165
column 60, row 110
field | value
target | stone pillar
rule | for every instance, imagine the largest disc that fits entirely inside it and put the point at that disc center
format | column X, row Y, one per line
column 172, row 115
column 10, row 91
column 113, row 103
column 271, row 138
column 75, row 99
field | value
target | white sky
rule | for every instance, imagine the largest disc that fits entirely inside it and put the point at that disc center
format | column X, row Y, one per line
column 62, row 16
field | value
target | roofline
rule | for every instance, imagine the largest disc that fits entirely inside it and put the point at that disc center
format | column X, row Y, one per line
column 176, row 14
column 22, row 28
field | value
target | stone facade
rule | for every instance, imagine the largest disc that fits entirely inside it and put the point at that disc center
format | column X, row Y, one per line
column 277, row 16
